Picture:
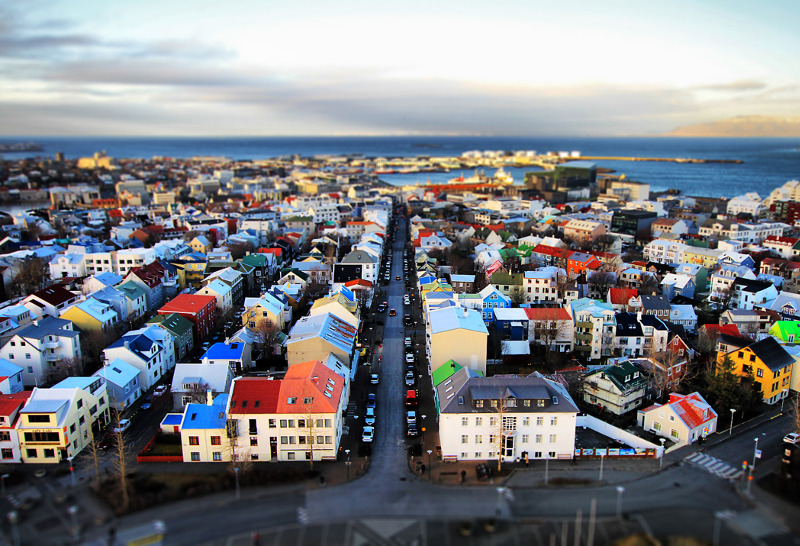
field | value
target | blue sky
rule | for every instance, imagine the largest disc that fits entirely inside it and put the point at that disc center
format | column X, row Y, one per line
column 369, row 67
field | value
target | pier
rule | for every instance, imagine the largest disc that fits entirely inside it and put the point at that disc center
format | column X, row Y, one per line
column 662, row 159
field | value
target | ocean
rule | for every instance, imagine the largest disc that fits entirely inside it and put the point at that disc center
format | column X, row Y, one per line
column 768, row 162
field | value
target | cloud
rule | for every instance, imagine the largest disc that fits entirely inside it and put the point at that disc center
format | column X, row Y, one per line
column 741, row 86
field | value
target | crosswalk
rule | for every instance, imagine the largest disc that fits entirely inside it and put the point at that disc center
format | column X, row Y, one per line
column 714, row 465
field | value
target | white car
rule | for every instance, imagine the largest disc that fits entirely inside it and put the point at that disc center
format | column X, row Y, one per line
column 368, row 434
column 374, row 379
column 791, row 438
column 124, row 424
column 410, row 379
column 409, row 358
column 411, row 416
column 370, row 416
column 161, row 389
column 407, row 342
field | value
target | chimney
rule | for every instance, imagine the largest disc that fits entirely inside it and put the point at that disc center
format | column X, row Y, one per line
column 466, row 312
column 209, row 397
column 126, row 344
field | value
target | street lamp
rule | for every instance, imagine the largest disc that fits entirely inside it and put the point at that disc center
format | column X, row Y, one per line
column 13, row 519
column 236, row 475
column 71, row 471
column 3, row 484
column 423, row 428
column 73, row 516
column 730, row 431
column 546, row 469
column 429, row 462
column 347, row 463
column 755, row 454
column 661, row 459
column 620, row 491
column 602, row 458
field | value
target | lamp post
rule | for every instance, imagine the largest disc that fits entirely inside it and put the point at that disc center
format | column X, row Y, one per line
column 755, row 455
column 13, row 519
column 661, row 459
column 236, row 475
column 3, row 484
column 602, row 458
column 546, row 470
column 347, row 463
column 73, row 517
column 429, row 462
column 423, row 428
column 71, row 471
column 730, row 430
column 620, row 491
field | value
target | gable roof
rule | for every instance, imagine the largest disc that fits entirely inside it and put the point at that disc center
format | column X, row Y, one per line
column 771, row 353
column 254, row 395
column 310, row 380
column 204, row 416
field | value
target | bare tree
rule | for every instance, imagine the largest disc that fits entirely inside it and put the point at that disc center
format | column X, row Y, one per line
column 500, row 406
column 30, row 275
column 266, row 334
column 92, row 453
column 63, row 368
column 649, row 284
column 601, row 281
column 197, row 392
column 517, row 296
column 548, row 329
column 120, row 462
column 667, row 372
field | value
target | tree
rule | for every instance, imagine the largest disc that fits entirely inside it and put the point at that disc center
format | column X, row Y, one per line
column 517, row 296
column 649, row 284
column 603, row 242
column 266, row 334
column 31, row 275
column 668, row 369
column 120, row 462
column 601, row 281
column 92, row 453
column 63, row 368
column 548, row 329
column 499, row 424
column 240, row 250
column 726, row 389
column 197, row 392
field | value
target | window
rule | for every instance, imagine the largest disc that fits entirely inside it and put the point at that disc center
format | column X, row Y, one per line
column 540, row 421
column 464, row 439
column 671, row 417
column 283, row 423
column 478, row 421
column 216, row 456
column 478, row 403
column 7, row 453
column 290, row 455
column 38, row 418
column 31, row 453
column 674, row 433
column 526, row 403
column 49, row 453
column 253, row 441
column 301, row 423
column 553, row 438
column 194, row 440
column 464, row 421
column 284, row 440
column 511, row 402
column 195, row 456
column 759, row 373
column 272, row 423
column 301, row 439
column 478, row 439
column 492, row 438
column 525, row 438
column 254, row 456
column 553, row 421
column 509, row 423
column 320, row 439
column 291, row 400
column 216, row 440
column 538, row 438
column 526, row 421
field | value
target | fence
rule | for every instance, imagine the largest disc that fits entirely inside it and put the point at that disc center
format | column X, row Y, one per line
column 639, row 447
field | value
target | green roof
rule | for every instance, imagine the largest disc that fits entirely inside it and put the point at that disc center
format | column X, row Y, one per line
column 300, row 219
column 255, row 260
column 132, row 290
column 444, row 371
column 173, row 323
column 501, row 277
column 785, row 328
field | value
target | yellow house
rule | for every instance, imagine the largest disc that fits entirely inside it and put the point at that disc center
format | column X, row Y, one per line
column 92, row 316
column 201, row 244
column 769, row 363
column 339, row 305
column 706, row 257
column 259, row 311
column 456, row 333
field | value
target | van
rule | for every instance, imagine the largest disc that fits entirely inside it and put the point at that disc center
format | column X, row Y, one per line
column 411, row 398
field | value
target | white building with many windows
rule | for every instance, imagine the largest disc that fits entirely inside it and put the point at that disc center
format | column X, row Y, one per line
column 512, row 418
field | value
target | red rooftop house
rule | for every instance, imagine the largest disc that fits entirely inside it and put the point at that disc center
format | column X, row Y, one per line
column 200, row 310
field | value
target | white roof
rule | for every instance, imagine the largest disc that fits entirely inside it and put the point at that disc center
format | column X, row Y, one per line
column 454, row 318
column 118, row 372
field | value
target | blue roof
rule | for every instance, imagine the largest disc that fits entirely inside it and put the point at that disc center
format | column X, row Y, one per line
column 172, row 419
column 203, row 416
column 578, row 165
column 223, row 351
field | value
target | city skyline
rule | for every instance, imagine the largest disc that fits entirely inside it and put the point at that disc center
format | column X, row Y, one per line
column 351, row 68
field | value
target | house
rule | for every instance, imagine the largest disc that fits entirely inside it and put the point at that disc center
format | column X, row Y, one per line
column 57, row 423
column 181, row 331
column 340, row 305
column 201, row 311
column 10, row 406
column 268, row 309
column 628, row 337
column 722, row 280
column 201, row 244
column 236, row 279
column 235, row 354
column 749, row 321
column 49, row 301
column 314, row 337
column 617, row 388
column 620, row 298
column 583, row 231
column 541, row 285
column 458, row 334
column 93, row 317
column 252, row 420
column 42, row 349
column 506, row 418
column 684, row 419
column 658, row 306
column 594, row 327
column 787, row 331
column 365, row 261
column 511, row 324
column 192, row 382
column 10, row 377
column 492, row 299
column 767, row 362
column 551, row 326
column 462, row 284
column 787, row 305
column 136, row 299
column 204, row 431
column 684, row 315
column 749, row 293
column 222, row 293
column 150, row 350
column 67, row 265
column 579, row 263
column 674, row 284
column 698, row 273
column 122, row 383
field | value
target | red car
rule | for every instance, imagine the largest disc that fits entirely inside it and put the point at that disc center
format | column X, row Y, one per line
column 397, row 278
column 392, row 312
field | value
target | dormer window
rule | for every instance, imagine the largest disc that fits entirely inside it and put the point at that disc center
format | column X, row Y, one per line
column 291, row 400
column 478, row 403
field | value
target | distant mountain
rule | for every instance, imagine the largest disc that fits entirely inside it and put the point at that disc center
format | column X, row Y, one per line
column 743, row 126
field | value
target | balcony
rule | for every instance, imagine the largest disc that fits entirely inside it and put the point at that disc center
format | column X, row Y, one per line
column 583, row 337
column 52, row 357
column 52, row 344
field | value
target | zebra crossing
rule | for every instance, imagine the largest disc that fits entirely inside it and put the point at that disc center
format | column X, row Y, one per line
column 714, row 465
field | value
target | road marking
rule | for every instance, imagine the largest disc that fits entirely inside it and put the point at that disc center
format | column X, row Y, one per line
column 714, row 466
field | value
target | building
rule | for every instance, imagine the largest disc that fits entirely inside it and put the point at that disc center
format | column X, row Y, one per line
column 632, row 222
column 51, row 301
column 42, row 349
column 594, row 327
column 767, row 362
column 192, row 382
column 201, row 311
column 10, row 406
column 458, row 334
column 181, row 331
column 150, row 350
column 93, row 317
column 314, row 337
column 551, row 326
column 122, row 383
column 204, row 432
column 684, row 419
column 618, row 388
column 506, row 418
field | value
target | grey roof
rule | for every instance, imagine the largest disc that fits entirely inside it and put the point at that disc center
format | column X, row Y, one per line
column 532, row 387
column 655, row 303
column 52, row 327
column 771, row 353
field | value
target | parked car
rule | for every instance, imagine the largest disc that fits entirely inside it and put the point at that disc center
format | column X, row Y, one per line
column 407, row 341
column 374, row 378
column 124, row 424
column 409, row 358
column 408, row 321
column 382, row 307
column 161, row 389
column 483, row 472
column 411, row 398
column 371, row 400
column 106, row 442
column 410, row 379
column 411, row 416
column 392, row 312
column 368, row 433
column 412, row 431
column 397, row 278
column 791, row 438
column 369, row 417
column 145, row 406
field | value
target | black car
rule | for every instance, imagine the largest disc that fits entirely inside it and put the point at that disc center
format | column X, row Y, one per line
column 412, row 432
column 483, row 472
column 407, row 320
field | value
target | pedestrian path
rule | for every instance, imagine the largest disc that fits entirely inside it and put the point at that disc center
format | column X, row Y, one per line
column 714, row 465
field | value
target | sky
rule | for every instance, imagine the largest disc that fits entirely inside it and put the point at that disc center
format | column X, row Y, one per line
column 357, row 67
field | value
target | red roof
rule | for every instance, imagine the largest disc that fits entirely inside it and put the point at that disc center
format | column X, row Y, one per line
column 691, row 408
column 186, row 303
column 788, row 241
column 311, row 380
column 9, row 403
column 730, row 329
column 621, row 296
column 551, row 251
column 55, row 295
column 360, row 283
column 254, row 395
column 547, row 313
